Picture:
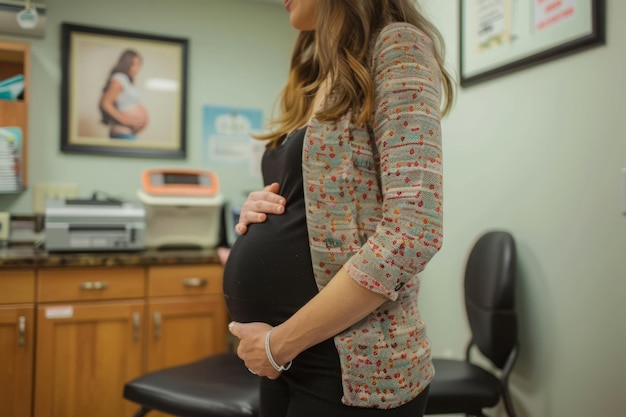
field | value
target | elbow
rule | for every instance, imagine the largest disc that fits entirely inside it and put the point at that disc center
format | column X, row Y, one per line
column 431, row 244
column 104, row 104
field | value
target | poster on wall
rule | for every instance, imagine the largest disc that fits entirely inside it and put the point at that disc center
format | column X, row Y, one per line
column 226, row 136
column 123, row 93
column 492, row 23
column 498, row 37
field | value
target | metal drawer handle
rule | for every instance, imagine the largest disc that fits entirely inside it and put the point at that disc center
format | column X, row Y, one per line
column 95, row 285
column 136, row 325
column 157, row 325
column 21, row 325
column 195, row 282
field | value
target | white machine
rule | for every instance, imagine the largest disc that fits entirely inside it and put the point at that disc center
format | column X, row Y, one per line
column 183, row 208
column 94, row 225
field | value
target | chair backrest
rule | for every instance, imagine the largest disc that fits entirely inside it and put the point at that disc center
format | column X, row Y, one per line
column 490, row 295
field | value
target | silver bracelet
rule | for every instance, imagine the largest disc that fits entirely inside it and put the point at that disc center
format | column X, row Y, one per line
column 270, row 358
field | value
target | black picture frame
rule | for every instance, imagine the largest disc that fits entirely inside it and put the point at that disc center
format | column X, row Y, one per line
column 532, row 42
column 156, row 99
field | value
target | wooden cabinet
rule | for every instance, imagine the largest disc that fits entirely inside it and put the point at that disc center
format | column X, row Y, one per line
column 98, row 328
column 15, row 60
column 186, row 315
column 89, row 340
column 85, row 354
column 17, row 323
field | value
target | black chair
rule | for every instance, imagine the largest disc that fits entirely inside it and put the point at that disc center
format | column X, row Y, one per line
column 216, row 386
column 460, row 386
column 221, row 386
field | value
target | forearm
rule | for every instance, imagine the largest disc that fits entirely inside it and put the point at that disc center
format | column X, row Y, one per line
column 339, row 305
column 107, row 102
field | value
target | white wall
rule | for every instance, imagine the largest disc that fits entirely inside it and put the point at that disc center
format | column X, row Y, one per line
column 539, row 153
column 238, row 56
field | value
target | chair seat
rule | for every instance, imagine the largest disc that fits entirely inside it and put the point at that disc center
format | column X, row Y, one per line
column 459, row 386
column 217, row 386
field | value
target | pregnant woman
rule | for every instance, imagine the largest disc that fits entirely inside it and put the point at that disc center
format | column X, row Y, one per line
column 323, row 282
column 119, row 105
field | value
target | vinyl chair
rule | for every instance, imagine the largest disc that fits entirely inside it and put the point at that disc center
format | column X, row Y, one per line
column 216, row 386
column 459, row 386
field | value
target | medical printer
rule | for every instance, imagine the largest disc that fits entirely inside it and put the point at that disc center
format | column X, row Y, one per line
column 183, row 207
column 94, row 225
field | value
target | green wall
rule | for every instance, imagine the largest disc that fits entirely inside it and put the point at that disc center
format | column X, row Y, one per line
column 239, row 54
column 540, row 153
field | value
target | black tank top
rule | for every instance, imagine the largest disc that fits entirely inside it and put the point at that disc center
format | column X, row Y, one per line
column 269, row 274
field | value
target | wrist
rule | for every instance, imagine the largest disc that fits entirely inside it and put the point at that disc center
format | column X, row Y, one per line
column 280, row 348
column 270, row 357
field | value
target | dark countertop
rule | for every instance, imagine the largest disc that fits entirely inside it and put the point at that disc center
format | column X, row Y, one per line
column 28, row 257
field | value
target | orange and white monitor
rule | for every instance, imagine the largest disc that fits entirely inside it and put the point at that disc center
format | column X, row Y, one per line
column 180, row 182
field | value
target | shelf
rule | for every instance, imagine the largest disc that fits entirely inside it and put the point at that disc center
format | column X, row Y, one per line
column 21, row 190
column 13, row 56
column 14, row 60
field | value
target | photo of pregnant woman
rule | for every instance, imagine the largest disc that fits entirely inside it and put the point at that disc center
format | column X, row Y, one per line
column 120, row 104
column 123, row 93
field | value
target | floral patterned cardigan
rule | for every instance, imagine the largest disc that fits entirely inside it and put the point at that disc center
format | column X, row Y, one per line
column 374, row 206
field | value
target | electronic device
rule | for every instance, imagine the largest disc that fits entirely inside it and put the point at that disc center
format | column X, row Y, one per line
column 183, row 207
column 94, row 225
column 180, row 182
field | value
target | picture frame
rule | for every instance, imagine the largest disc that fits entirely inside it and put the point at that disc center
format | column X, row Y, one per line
column 123, row 93
column 498, row 37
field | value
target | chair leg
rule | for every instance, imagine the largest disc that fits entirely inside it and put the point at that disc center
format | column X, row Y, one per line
column 508, row 404
column 142, row 412
column 504, row 383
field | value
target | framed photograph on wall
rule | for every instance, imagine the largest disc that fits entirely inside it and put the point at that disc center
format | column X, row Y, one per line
column 123, row 93
column 498, row 37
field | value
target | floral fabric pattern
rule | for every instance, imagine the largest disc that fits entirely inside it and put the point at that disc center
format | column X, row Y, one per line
column 374, row 207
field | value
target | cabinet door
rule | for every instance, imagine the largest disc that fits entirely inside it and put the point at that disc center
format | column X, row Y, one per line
column 185, row 329
column 16, row 359
column 85, row 355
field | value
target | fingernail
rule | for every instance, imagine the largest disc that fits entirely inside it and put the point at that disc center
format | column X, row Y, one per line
column 280, row 209
column 230, row 325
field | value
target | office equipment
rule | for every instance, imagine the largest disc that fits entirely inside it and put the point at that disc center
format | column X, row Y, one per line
column 183, row 207
column 94, row 225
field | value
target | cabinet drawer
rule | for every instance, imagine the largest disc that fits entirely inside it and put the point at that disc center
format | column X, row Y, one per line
column 78, row 284
column 165, row 281
column 17, row 286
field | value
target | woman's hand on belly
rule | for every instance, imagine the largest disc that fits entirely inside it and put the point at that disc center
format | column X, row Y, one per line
column 252, row 347
column 258, row 205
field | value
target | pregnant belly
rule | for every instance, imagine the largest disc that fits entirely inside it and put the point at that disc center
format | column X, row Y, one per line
column 268, row 276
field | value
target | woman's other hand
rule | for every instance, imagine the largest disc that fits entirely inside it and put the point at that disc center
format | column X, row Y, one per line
column 251, row 347
column 258, row 205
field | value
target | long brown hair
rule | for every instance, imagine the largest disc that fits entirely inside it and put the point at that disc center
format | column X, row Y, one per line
column 339, row 50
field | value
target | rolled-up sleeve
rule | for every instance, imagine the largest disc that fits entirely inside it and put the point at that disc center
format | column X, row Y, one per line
column 408, row 139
